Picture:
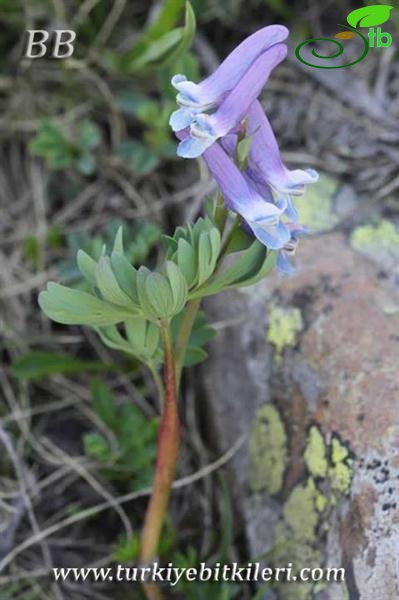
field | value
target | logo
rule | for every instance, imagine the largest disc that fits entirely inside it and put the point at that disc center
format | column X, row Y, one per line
column 369, row 16
column 62, row 47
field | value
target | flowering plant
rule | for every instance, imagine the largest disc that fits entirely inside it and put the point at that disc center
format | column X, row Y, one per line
column 132, row 310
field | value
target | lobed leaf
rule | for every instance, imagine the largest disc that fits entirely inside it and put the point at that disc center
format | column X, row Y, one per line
column 73, row 307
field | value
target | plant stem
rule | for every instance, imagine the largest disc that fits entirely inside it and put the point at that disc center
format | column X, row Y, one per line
column 234, row 226
column 167, row 455
column 158, row 384
column 183, row 335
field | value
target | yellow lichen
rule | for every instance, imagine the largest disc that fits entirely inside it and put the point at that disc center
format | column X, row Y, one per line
column 315, row 453
column 296, row 537
column 305, row 513
column 300, row 512
column 340, row 472
column 284, row 326
column 315, row 207
column 268, row 451
column 379, row 242
column 384, row 234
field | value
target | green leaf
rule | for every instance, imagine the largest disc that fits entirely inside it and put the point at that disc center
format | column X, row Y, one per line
column 186, row 261
column 108, row 285
column 178, row 285
column 243, row 148
column 164, row 22
column 111, row 337
column 152, row 339
column 136, row 331
column 31, row 250
column 167, row 18
column 146, row 306
column 158, row 48
column 258, row 273
column 144, row 338
column 89, row 135
column 160, row 295
column 51, row 144
column 37, row 365
column 204, row 256
column 194, row 356
column 130, row 102
column 118, row 242
column 155, row 53
column 369, row 16
column 126, row 275
column 188, row 34
column 97, row 446
column 86, row 266
column 103, row 402
column 86, row 164
column 201, row 333
column 127, row 550
column 244, row 264
column 141, row 159
column 73, row 307
column 239, row 241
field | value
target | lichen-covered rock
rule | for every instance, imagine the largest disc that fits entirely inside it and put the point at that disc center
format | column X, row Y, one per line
column 316, row 383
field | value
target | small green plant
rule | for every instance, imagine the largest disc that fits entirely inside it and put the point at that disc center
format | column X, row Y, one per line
column 37, row 365
column 67, row 147
column 160, row 43
column 156, row 145
column 123, row 457
column 32, row 249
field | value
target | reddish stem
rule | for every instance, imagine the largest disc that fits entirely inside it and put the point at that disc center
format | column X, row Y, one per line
column 167, row 455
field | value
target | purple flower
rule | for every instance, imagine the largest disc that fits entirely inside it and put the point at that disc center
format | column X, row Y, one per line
column 194, row 98
column 261, row 214
column 206, row 129
column 260, row 193
column 265, row 165
column 283, row 263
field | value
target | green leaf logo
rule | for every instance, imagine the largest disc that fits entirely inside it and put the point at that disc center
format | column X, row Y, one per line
column 369, row 16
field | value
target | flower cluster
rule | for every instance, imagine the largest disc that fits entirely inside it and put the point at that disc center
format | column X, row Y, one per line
column 216, row 114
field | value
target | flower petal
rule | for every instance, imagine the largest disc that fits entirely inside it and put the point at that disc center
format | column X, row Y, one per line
column 181, row 118
column 235, row 107
column 192, row 147
column 274, row 235
column 265, row 162
column 212, row 89
column 230, row 180
column 261, row 216
column 237, row 104
column 283, row 264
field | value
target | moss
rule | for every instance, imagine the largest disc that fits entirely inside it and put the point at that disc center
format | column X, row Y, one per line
column 284, row 326
column 315, row 453
column 341, row 470
column 316, row 206
column 268, row 451
column 379, row 242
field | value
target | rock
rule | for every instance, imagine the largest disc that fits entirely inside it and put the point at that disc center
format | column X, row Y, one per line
column 312, row 373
